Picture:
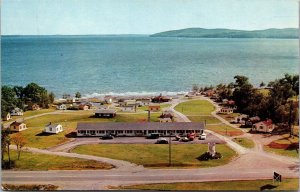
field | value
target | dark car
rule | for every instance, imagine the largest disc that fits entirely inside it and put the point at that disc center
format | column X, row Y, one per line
column 153, row 136
column 106, row 137
column 162, row 141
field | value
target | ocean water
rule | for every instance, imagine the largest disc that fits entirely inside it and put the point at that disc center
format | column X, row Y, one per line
column 99, row 65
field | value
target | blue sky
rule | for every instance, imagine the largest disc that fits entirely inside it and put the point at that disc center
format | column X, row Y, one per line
column 48, row 17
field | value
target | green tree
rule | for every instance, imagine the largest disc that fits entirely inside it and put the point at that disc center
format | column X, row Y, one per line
column 8, row 99
column 34, row 93
column 78, row 95
column 243, row 94
column 51, row 97
column 262, row 84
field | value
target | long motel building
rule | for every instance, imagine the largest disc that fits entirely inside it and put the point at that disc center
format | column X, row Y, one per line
column 139, row 129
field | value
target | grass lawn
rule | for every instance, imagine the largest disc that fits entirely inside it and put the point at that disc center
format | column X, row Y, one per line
column 195, row 107
column 285, row 146
column 229, row 117
column 36, row 162
column 209, row 119
column 258, row 185
column 69, row 122
column 157, row 156
column 224, row 130
column 245, row 142
column 37, row 112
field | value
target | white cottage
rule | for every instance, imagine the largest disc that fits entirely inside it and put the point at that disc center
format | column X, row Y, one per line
column 16, row 112
column 62, row 107
column 53, row 128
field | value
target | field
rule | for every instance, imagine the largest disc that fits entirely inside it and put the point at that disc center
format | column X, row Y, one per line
column 195, row 107
column 224, row 130
column 37, row 112
column 157, row 156
column 38, row 162
column 258, row 185
column 69, row 122
column 229, row 117
column 162, row 106
column 208, row 119
column 245, row 142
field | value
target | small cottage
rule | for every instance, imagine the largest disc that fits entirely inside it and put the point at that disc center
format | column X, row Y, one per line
column 154, row 108
column 165, row 118
column 17, row 126
column 6, row 116
column 35, row 107
column 226, row 110
column 144, row 101
column 62, row 107
column 106, row 113
column 53, row 128
column 263, row 126
column 83, row 107
column 240, row 119
column 130, row 108
column 16, row 112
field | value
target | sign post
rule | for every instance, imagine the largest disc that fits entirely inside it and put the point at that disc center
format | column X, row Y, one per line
column 276, row 177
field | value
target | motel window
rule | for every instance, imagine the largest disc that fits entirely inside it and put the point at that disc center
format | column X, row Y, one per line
column 50, row 129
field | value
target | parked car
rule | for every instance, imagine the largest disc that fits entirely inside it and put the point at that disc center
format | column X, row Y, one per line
column 184, row 139
column 106, row 137
column 177, row 137
column 153, row 136
column 202, row 136
column 162, row 141
column 191, row 136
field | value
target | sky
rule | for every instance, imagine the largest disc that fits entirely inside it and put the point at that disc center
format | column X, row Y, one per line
column 80, row 17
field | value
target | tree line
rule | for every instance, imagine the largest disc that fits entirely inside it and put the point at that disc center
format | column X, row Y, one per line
column 279, row 103
column 21, row 97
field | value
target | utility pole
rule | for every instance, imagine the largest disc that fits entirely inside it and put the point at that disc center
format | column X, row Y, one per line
column 290, row 119
column 170, row 149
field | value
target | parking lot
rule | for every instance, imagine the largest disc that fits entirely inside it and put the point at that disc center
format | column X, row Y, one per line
column 143, row 140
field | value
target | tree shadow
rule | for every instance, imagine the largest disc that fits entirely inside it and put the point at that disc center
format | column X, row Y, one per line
column 44, row 134
column 267, row 187
column 71, row 135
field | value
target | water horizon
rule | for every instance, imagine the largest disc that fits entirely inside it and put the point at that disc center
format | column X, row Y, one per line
column 141, row 65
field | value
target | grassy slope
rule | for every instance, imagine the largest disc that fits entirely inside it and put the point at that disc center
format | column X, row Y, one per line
column 69, row 122
column 33, row 161
column 195, row 107
column 248, row 143
column 37, row 112
column 287, row 184
column 209, row 119
column 152, row 155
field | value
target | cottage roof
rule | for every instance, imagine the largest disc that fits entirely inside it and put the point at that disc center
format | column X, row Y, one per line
column 106, row 111
column 140, row 126
column 53, row 125
column 15, row 123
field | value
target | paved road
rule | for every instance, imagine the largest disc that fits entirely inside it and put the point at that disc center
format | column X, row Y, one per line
column 241, row 168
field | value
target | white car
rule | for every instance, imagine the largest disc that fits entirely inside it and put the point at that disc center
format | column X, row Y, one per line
column 202, row 136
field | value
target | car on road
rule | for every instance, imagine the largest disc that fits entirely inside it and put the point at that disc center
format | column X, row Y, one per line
column 162, row 141
column 191, row 136
column 184, row 139
column 202, row 136
column 106, row 137
column 153, row 136
column 177, row 137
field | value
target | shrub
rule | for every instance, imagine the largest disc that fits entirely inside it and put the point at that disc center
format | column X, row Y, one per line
column 207, row 156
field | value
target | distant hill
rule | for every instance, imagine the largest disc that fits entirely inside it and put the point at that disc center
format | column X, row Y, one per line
column 288, row 33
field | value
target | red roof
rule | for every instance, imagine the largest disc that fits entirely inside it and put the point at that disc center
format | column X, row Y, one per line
column 268, row 122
